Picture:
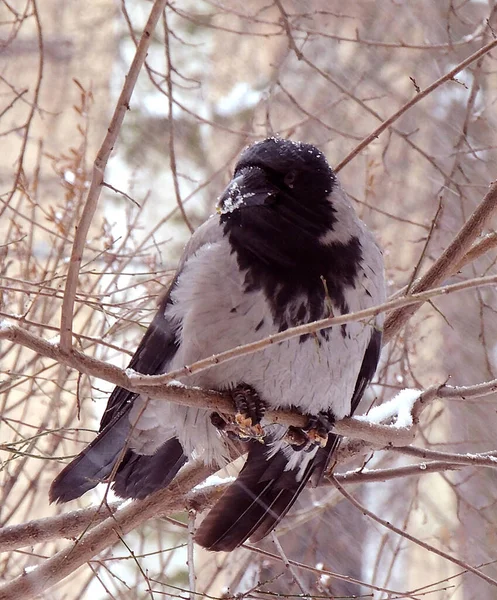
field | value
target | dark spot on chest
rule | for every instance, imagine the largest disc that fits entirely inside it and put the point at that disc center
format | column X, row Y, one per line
column 313, row 288
column 259, row 324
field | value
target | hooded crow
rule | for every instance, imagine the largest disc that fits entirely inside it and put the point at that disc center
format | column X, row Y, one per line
column 286, row 248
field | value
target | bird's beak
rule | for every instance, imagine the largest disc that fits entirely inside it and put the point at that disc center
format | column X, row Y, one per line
column 249, row 188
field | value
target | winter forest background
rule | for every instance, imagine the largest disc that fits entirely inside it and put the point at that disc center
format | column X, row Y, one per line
column 417, row 81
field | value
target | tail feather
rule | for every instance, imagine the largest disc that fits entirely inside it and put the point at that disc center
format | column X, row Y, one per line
column 93, row 465
column 260, row 497
column 140, row 475
column 137, row 475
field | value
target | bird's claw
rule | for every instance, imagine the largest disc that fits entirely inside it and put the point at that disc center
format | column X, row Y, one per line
column 315, row 433
column 317, row 437
column 246, row 422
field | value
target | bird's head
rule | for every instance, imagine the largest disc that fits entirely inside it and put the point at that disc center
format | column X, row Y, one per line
column 281, row 181
column 284, row 208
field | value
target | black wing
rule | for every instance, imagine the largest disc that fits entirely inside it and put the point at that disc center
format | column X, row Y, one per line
column 137, row 475
column 155, row 351
column 368, row 369
column 96, row 462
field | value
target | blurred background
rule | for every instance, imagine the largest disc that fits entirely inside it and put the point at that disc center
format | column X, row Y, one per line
column 219, row 75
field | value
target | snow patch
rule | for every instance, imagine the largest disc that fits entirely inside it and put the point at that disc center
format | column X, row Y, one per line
column 214, row 480
column 399, row 408
column 4, row 326
column 69, row 177
column 241, row 97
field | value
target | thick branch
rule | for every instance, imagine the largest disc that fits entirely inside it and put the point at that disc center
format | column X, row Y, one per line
column 449, row 262
column 62, row 564
column 67, row 525
column 71, row 524
column 380, row 435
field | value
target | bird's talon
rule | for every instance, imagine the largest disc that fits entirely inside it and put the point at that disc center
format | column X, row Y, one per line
column 250, row 409
column 296, row 437
column 318, row 437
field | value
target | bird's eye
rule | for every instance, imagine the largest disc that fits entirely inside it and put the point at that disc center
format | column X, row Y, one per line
column 289, row 179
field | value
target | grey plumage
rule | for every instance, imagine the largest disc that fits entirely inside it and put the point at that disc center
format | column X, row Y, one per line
column 286, row 249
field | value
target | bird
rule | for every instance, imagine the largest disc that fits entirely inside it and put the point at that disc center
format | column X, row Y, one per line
column 285, row 248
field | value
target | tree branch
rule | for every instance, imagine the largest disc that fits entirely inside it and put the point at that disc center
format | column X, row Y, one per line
column 414, row 539
column 62, row 564
column 98, row 176
column 417, row 98
column 67, row 525
column 380, row 435
column 449, row 262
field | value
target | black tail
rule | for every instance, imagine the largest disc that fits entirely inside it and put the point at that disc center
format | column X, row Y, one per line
column 137, row 475
column 140, row 475
column 93, row 465
column 260, row 497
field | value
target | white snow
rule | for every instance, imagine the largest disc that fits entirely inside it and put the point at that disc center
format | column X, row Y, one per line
column 30, row 568
column 399, row 408
column 214, row 480
column 177, row 384
column 69, row 176
column 241, row 97
column 55, row 340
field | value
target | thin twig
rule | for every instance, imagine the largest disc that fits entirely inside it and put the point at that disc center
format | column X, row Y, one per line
column 413, row 539
column 449, row 262
column 172, row 147
column 97, row 179
column 289, row 566
column 417, row 98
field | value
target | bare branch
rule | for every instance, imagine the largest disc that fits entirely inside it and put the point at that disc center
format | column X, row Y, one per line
column 97, row 180
column 62, row 564
column 417, row 98
column 415, row 540
column 449, row 262
column 68, row 525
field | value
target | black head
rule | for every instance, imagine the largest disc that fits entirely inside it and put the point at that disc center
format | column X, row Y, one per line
column 281, row 176
column 278, row 202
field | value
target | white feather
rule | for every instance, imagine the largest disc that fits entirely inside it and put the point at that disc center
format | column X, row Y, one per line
column 213, row 313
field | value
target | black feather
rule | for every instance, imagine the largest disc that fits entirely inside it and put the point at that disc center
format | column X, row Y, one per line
column 368, row 368
column 96, row 462
column 93, row 465
column 155, row 351
column 257, row 501
column 140, row 475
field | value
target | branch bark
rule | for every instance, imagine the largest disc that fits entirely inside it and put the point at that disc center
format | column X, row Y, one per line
column 66, row 525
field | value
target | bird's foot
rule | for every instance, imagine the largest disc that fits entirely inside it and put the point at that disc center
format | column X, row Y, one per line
column 246, row 423
column 315, row 433
column 250, row 410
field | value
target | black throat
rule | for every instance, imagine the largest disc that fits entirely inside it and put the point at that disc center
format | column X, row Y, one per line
column 302, row 279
